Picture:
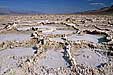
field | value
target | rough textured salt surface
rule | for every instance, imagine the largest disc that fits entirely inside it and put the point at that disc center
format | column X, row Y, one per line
column 75, row 37
column 49, row 60
column 9, row 58
column 90, row 58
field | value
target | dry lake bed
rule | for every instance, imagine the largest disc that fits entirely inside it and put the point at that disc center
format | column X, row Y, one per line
column 56, row 45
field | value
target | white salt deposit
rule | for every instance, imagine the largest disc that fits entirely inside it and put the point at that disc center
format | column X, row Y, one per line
column 11, row 37
column 17, row 52
column 87, row 37
column 60, row 32
column 53, row 59
column 89, row 57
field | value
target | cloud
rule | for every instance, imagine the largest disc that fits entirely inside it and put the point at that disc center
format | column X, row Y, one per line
column 102, row 4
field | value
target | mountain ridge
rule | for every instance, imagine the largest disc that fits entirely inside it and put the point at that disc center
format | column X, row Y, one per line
column 6, row 11
column 104, row 10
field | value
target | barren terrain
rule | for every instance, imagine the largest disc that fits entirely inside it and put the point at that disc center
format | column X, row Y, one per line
column 89, row 37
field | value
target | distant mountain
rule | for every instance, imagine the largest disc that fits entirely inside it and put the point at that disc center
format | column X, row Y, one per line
column 6, row 11
column 105, row 10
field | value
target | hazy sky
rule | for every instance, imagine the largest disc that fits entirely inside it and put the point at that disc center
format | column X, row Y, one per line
column 55, row 6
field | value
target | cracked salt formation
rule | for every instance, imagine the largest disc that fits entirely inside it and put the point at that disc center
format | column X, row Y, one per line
column 87, row 35
column 10, row 58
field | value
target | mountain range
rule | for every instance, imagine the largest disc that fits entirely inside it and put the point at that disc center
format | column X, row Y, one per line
column 105, row 10
column 6, row 11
